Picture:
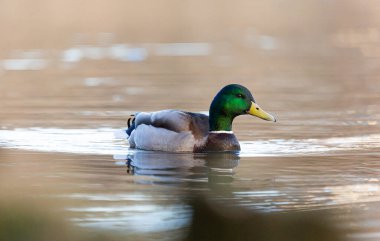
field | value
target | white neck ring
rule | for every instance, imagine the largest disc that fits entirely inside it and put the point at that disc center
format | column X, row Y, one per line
column 220, row 132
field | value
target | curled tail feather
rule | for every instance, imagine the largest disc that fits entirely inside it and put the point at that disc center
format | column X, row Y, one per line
column 131, row 124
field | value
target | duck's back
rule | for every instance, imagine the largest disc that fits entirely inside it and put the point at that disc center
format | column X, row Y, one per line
column 168, row 130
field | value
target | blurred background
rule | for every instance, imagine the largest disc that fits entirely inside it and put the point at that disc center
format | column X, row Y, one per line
column 60, row 56
column 71, row 72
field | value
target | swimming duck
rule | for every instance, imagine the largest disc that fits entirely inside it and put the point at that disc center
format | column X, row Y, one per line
column 181, row 131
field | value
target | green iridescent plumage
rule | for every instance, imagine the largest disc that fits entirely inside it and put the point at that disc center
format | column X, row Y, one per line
column 231, row 101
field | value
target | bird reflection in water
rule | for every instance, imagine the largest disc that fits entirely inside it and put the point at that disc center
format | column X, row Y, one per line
column 215, row 168
column 216, row 215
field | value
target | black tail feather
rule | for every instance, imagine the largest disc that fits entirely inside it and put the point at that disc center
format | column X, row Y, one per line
column 131, row 124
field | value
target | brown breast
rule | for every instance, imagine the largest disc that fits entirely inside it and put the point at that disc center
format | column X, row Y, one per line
column 219, row 142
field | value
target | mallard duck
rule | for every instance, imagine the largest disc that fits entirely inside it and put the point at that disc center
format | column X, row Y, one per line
column 181, row 131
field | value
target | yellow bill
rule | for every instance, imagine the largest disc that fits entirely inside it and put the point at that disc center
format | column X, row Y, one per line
column 255, row 110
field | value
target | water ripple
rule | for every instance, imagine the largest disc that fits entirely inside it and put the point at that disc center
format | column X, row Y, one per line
column 102, row 142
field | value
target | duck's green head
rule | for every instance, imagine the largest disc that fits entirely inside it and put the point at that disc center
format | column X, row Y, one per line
column 231, row 101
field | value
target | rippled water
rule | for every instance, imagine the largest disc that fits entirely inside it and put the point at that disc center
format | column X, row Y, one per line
column 107, row 141
column 104, row 185
column 308, row 162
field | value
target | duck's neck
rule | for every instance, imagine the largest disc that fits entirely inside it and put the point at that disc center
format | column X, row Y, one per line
column 220, row 121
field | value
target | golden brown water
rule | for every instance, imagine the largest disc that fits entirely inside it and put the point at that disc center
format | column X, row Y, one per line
column 67, row 84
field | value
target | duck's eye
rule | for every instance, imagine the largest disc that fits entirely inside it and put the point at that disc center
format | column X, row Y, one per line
column 240, row 96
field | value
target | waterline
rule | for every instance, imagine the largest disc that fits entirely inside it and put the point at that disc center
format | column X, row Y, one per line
column 102, row 142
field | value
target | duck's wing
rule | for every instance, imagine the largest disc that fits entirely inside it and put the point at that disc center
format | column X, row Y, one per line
column 199, row 125
column 168, row 130
column 174, row 120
